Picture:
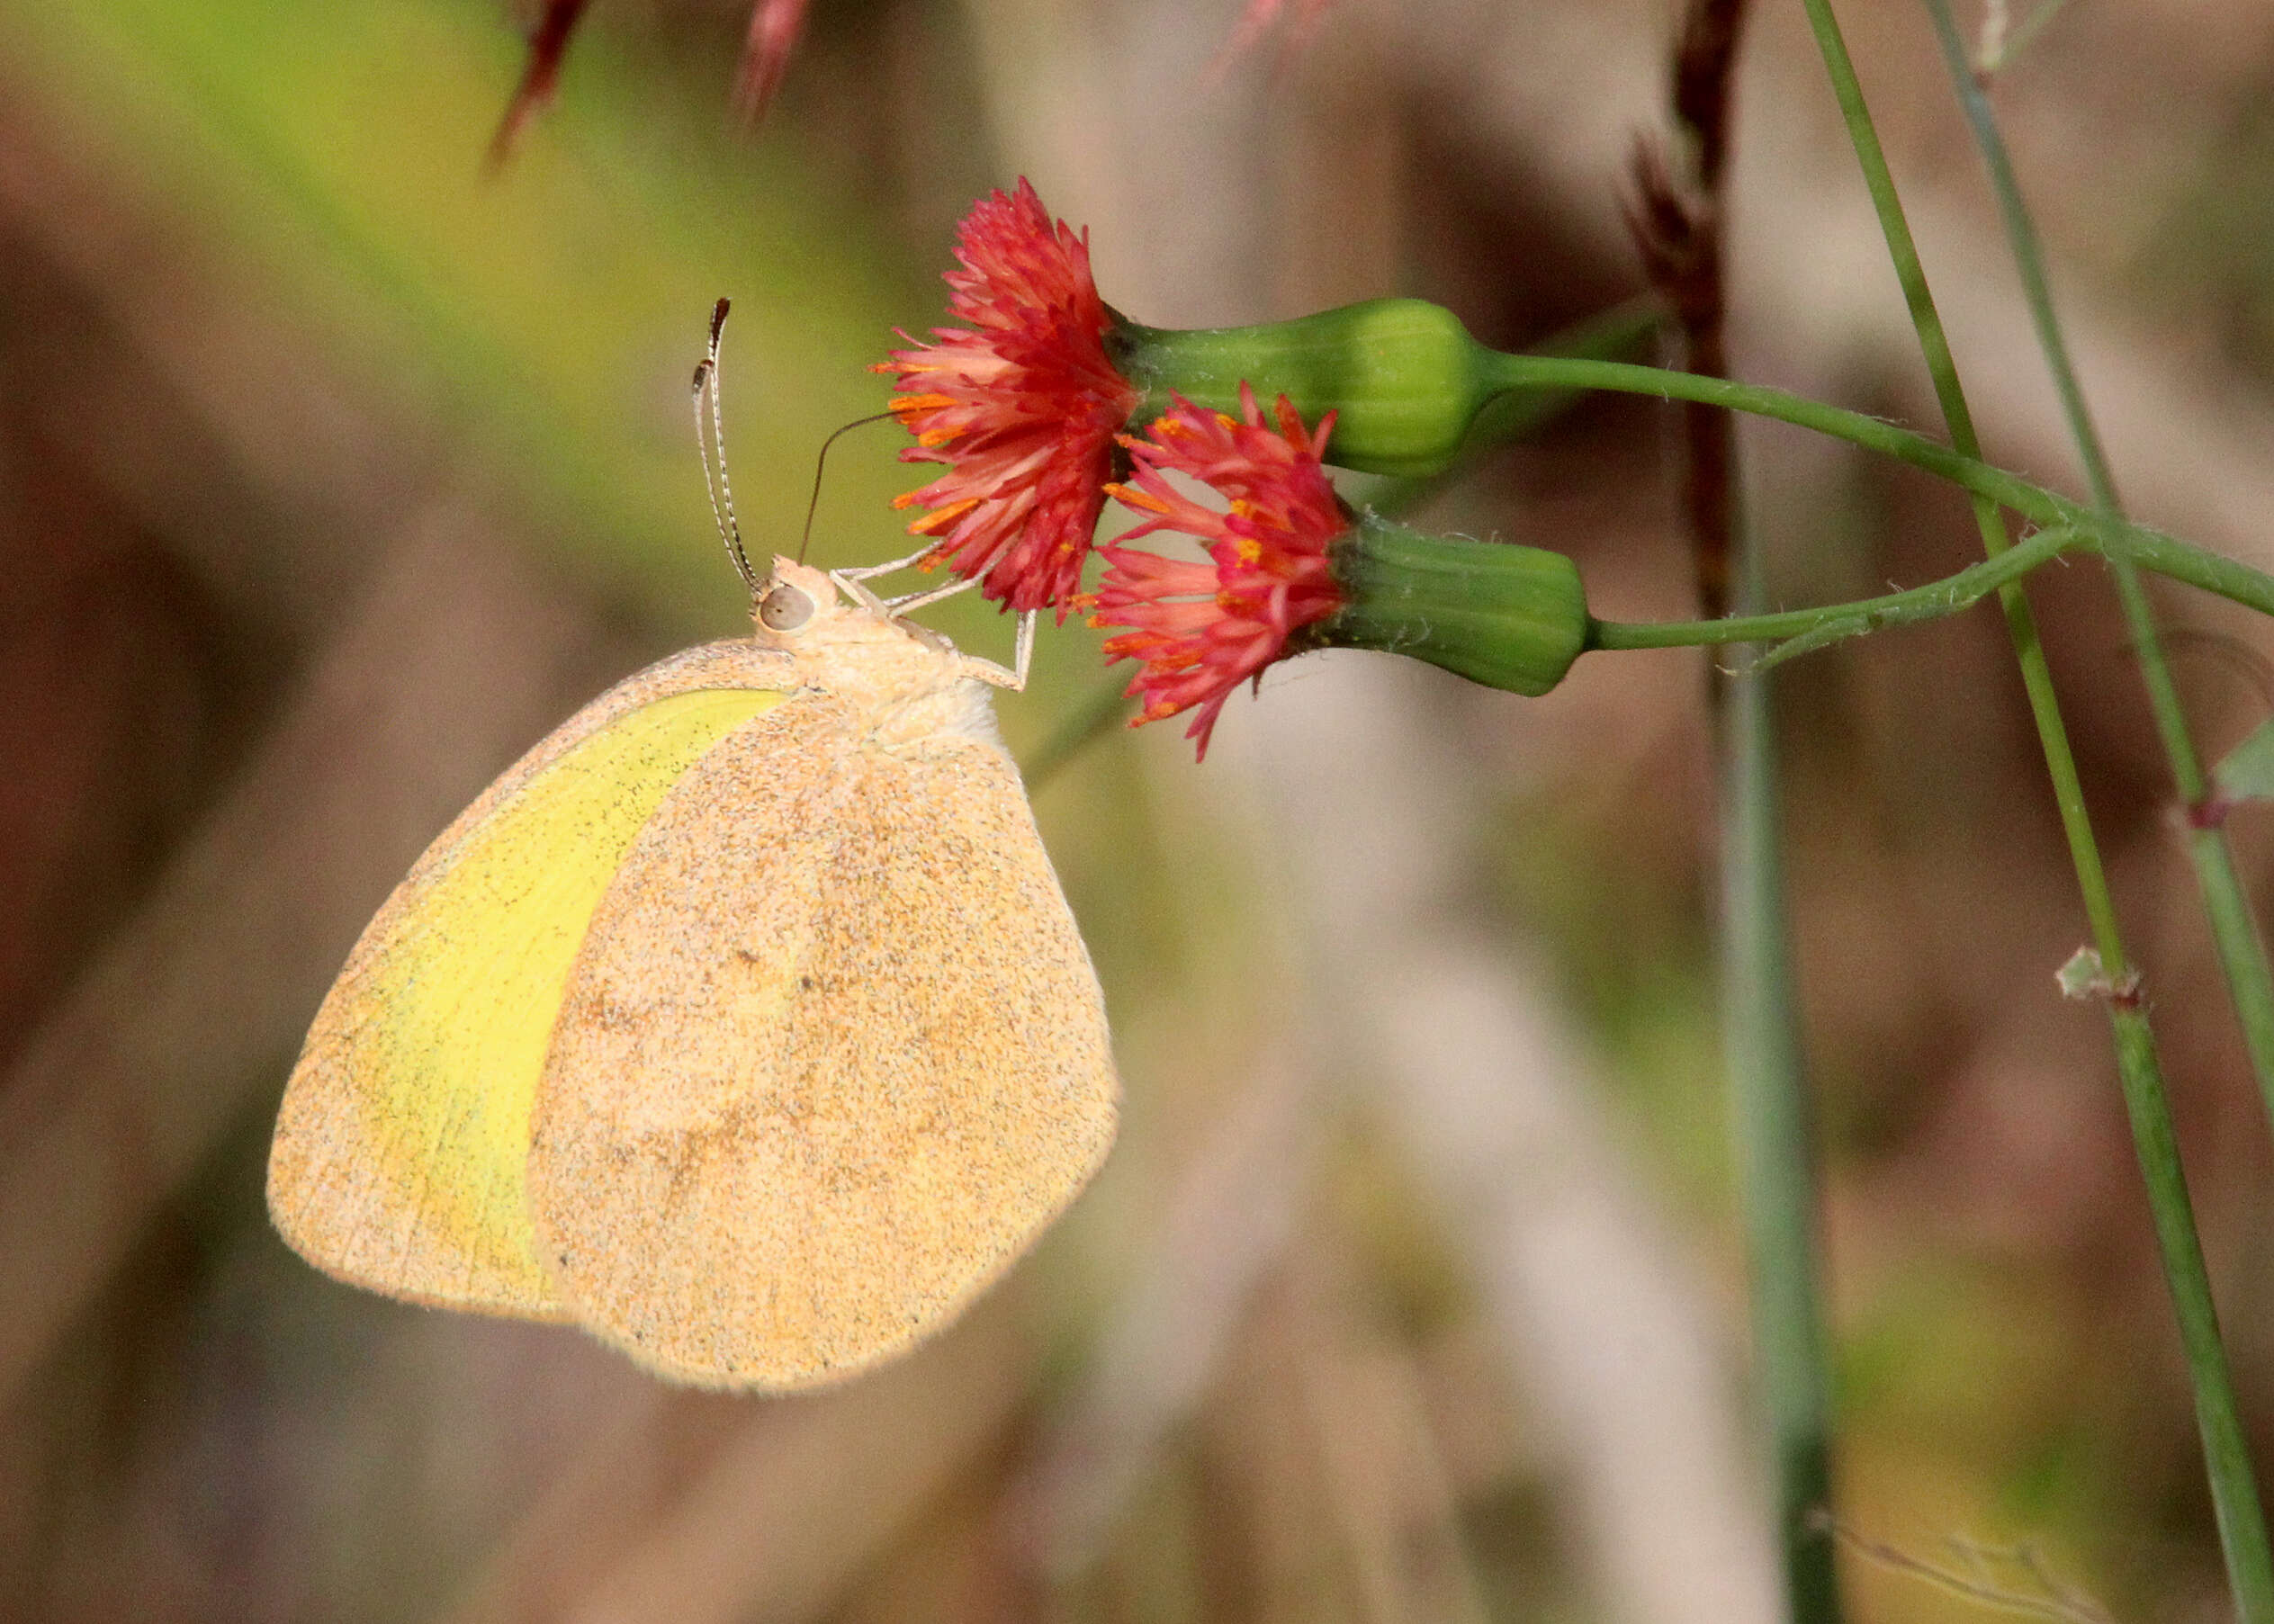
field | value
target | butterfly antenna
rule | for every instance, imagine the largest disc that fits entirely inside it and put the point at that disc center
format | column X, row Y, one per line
column 711, row 437
column 821, row 461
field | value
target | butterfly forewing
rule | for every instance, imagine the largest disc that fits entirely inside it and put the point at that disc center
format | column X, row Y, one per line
column 400, row 1151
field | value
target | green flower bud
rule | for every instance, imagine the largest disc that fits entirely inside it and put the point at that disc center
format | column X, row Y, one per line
column 1403, row 377
column 1509, row 618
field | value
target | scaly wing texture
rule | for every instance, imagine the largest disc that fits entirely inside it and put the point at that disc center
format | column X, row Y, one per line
column 833, row 1056
column 400, row 1149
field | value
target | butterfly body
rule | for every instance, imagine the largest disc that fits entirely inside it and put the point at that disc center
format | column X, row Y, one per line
column 741, row 1022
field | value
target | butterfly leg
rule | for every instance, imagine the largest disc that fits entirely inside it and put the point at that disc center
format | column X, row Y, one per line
column 855, row 581
column 930, row 595
column 1013, row 678
column 851, row 580
column 859, row 591
column 861, row 572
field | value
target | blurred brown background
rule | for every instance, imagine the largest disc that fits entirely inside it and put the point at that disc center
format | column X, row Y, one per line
column 333, row 473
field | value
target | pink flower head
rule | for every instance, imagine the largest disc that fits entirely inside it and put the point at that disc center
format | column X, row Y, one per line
column 1202, row 629
column 1021, row 404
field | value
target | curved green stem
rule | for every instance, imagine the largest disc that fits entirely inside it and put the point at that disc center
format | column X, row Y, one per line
column 1872, row 434
column 1937, row 598
column 1515, row 617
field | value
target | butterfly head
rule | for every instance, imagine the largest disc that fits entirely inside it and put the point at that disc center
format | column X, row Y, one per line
column 789, row 600
column 843, row 643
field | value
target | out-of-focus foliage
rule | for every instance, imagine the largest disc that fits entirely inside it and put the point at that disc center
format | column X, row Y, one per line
column 545, row 319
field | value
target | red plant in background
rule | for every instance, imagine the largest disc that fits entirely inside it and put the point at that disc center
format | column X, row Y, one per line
column 1202, row 629
column 774, row 29
column 548, row 44
column 775, row 26
column 1021, row 404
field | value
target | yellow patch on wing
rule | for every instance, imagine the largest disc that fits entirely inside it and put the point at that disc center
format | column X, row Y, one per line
column 402, row 1147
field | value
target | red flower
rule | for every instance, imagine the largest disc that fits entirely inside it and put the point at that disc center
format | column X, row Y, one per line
column 1022, row 407
column 1202, row 629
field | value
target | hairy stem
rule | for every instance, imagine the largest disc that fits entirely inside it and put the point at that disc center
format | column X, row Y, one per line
column 1948, row 596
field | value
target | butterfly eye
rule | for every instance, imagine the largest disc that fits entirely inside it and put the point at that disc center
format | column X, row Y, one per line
column 784, row 608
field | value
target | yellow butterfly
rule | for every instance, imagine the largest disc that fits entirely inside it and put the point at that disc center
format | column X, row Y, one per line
column 741, row 1022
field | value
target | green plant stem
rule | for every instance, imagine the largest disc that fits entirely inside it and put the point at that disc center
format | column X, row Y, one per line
column 2233, row 1488
column 1624, row 330
column 1528, row 371
column 2242, row 949
column 2162, row 554
column 2167, row 555
column 2016, row 42
column 2107, row 534
column 1515, row 617
column 1771, row 1129
column 1937, row 598
column 2234, row 1498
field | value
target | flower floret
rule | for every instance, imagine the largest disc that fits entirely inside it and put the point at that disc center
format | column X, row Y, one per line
column 1202, row 628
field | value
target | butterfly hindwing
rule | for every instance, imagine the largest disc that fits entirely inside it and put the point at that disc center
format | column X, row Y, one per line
column 831, row 1057
column 401, row 1150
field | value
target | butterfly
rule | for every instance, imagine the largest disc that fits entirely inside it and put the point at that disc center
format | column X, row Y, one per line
column 742, row 1022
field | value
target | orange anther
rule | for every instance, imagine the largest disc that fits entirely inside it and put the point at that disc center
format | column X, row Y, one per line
column 939, row 518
